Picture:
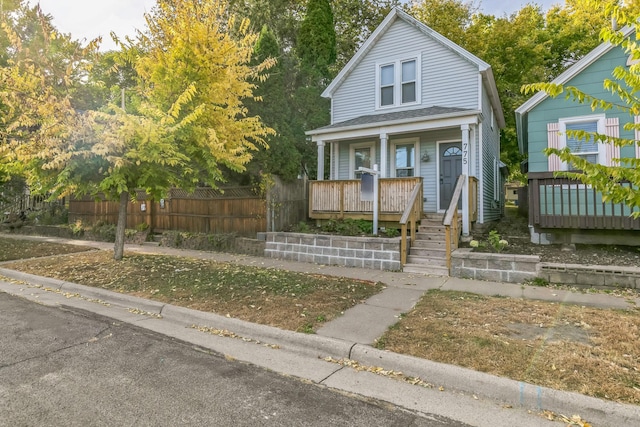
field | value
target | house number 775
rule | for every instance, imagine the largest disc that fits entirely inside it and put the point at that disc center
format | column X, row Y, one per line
column 465, row 153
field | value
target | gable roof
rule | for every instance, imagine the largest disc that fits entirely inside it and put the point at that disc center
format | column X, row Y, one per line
column 397, row 13
column 568, row 74
column 571, row 72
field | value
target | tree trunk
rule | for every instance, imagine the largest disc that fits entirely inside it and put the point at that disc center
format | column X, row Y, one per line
column 118, row 250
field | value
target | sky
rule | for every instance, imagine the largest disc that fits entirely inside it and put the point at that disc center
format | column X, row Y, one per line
column 89, row 19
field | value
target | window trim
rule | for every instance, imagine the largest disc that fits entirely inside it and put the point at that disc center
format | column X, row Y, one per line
column 416, row 154
column 352, row 156
column 601, row 129
column 398, row 83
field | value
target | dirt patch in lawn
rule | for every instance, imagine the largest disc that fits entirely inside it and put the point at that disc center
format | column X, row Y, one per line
column 13, row 249
column 288, row 300
column 586, row 350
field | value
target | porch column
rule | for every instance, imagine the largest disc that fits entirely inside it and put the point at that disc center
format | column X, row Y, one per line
column 320, row 176
column 465, row 171
column 335, row 160
column 384, row 149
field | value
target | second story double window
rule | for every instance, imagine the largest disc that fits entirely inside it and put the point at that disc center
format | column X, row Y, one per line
column 398, row 83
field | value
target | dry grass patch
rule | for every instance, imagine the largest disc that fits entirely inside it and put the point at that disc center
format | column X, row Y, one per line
column 590, row 351
column 12, row 249
column 288, row 300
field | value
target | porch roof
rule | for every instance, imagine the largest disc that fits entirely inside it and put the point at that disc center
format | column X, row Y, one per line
column 399, row 118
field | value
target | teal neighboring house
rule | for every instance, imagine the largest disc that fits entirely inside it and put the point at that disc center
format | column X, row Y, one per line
column 562, row 210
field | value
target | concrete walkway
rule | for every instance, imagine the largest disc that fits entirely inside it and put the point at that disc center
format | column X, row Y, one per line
column 351, row 335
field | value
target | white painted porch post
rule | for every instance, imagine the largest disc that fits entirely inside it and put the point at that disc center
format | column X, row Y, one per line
column 320, row 176
column 465, row 171
column 331, row 161
column 383, row 155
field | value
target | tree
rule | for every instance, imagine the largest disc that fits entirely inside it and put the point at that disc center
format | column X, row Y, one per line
column 282, row 157
column 187, row 118
column 624, row 86
column 451, row 18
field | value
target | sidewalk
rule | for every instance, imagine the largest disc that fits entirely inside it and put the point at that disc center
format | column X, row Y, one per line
column 351, row 335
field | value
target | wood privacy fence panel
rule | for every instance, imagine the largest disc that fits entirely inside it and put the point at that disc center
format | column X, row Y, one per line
column 238, row 210
column 288, row 203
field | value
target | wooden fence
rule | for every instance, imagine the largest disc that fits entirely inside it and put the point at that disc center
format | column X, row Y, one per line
column 241, row 210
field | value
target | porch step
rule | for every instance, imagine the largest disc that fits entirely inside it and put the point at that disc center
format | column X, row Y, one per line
column 430, row 270
column 433, row 217
column 438, row 253
column 438, row 244
column 428, row 253
column 432, row 229
column 430, row 236
column 427, row 260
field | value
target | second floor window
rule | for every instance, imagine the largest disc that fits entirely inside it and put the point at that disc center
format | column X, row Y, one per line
column 398, row 83
column 408, row 81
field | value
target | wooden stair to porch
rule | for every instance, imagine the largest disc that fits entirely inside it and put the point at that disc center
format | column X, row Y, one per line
column 428, row 253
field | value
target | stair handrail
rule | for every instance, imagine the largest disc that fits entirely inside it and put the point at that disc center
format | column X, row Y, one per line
column 450, row 220
column 411, row 215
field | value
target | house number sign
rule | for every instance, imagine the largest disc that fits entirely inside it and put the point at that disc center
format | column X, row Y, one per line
column 465, row 153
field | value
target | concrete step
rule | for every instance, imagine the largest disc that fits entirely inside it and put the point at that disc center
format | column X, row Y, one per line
column 426, row 270
column 426, row 261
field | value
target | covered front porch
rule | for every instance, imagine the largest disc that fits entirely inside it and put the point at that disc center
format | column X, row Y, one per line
column 432, row 146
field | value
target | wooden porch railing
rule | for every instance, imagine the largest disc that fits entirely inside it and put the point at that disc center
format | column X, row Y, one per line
column 450, row 222
column 570, row 204
column 411, row 215
column 341, row 199
column 473, row 199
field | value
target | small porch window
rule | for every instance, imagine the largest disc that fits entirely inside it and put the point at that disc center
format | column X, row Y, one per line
column 405, row 158
column 362, row 155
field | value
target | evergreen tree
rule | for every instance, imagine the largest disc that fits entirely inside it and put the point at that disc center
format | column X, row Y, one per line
column 317, row 39
column 272, row 105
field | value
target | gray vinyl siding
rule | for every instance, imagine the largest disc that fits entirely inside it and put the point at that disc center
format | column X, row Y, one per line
column 428, row 169
column 492, row 209
column 447, row 79
column 590, row 80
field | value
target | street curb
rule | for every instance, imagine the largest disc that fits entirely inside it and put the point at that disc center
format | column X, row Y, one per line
column 500, row 389
column 111, row 297
column 306, row 344
column 451, row 378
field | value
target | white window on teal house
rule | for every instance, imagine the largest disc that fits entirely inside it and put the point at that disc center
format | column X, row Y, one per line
column 398, row 83
column 405, row 155
column 583, row 146
column 361, row 155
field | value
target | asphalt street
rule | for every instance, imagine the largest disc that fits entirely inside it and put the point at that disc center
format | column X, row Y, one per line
column 65, row 366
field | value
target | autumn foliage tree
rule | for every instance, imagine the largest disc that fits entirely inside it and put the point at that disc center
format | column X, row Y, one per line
column 192, row 73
